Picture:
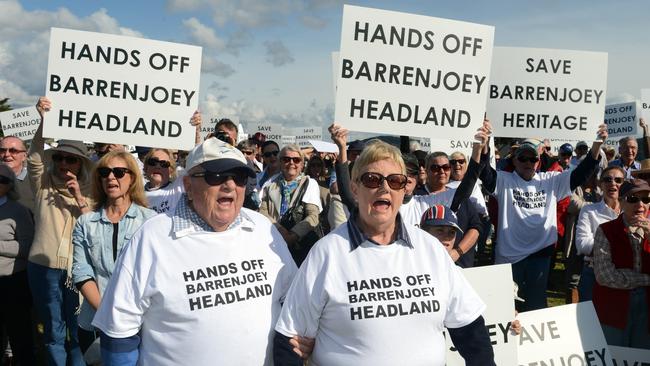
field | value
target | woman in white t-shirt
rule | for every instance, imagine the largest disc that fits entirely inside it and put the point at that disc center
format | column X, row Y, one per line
column 376, row 291
column 164, row 188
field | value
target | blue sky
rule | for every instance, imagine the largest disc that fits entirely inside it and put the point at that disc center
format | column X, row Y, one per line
column 270, row 60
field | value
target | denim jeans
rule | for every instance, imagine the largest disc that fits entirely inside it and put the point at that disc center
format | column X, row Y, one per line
column 587, row 282
column 56, row 306
column 635, row 334
column 531, row 275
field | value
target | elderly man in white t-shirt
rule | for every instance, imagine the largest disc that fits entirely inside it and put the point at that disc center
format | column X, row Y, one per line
column 201, row 285
column 527, row 217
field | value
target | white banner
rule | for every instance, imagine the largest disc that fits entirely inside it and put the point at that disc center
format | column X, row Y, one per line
column 645, row 105
column 21, row 123
column 117, row 89
column 563, row 335
column 545, row 93
column 272, row 131
column 287, row 140
column 208, row 125
column 304, row 134
column 624, row 356
column 407, row 74
column 621, row 120
column 500, row 312
column 324, row 146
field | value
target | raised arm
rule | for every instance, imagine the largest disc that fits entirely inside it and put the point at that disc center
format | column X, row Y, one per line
column 35, row 165
column 588, row 165
column 340, row 137
column 474, row 168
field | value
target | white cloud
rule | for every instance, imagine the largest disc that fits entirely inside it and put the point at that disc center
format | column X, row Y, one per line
column 277, row 54
column 210, row 65
column 203, row 35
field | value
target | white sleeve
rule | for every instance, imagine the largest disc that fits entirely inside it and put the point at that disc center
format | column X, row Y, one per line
column 562, row 185
column 306, row 299
column 312, row 194
column 464, row 304
column 585, row 232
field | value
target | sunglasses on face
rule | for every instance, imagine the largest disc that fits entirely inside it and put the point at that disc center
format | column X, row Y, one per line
column 610, row 179
column 68, row 159
column 216, row 179
column 11, row 151
column 247, row 152
column 437, row 168
column 288, row 159
column 162, row 163
column 457, row 161
column 4, row 180
column 635, row 199
column 523, row 159
column 118, row 172
column 376, row 180
column 268, row 154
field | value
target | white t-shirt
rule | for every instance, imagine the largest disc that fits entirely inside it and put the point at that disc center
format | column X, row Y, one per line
column 476, row 198
column 378, row 305
column 591, row 216
column 412, row 211
column 528, row 212
column 165, row 199
column 204, row 298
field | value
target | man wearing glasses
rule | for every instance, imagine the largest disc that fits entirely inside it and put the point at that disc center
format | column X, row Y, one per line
column 201, row 286
column 14, row 154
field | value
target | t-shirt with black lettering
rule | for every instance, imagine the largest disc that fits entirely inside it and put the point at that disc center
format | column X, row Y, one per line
column 165, row 199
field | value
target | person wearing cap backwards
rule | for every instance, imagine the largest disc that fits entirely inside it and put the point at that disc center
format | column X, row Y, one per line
column 61, row 181
column 378, row 291
column 202, row 286
column 527, row 217
column 621, row 261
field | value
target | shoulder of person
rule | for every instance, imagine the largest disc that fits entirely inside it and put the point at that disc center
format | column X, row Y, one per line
column 144, row 211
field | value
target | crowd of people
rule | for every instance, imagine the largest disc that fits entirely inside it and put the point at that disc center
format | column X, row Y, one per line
column 251, row 253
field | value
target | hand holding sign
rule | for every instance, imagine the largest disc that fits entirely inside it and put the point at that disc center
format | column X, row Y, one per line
column 602, row 137
column 339, row 135
column 43, row 105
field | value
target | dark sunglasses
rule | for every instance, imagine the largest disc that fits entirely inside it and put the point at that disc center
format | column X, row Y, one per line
column 457, row 161
column 118, row 172
column 609, row 179
column 635, row 199
column 248, row 152
column 162, row 163
column 288, row 159
column 215, row 179
column 524, row 159
column 5, row 180
column 268, row 154
column 437, row 168
column 376, row 180
column 68, row 159
column 10, row 150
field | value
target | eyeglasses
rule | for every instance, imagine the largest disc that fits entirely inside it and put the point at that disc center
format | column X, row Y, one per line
column 437, row 168
column 5, row 180
column 524, row 159
column 610, row 179
column 214, row 179
column 11, row 151
column 376, row 180
column 248, row 152
column 457, row 161
column 68, row 159
column 162, row 163
column 118, row 172
column 635, row 199
column 294, row 159
column 268, row 154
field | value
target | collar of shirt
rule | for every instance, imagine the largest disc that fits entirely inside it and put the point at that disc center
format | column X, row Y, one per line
column 357, row 236
column 633, row 230
column 101, row 214
column 186, row 221
column 22, row 175
column 3, row 200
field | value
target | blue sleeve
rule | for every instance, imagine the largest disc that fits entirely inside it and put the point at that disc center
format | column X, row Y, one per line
column 119, row 351
column 82, row 269
column 473, row 343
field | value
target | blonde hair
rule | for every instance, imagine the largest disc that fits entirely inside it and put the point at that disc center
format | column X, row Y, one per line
column 136, row 189
column 456, row 154
column 377, row 150
column 172, row 161
column 292, row 148
column 5, row 170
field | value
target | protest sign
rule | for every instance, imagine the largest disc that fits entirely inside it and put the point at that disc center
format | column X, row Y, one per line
column 450, row 146
column 407, row 74
column 547, row 93
column 499, row 314
column 645, row 104
column 563, row 335
column 324, row 147
column 304, row 134
column 624, row 356
column 208, row 125
column 621, row 119
column 21, row 123
column 287, row 140
column 118, row 89
column 272, row 131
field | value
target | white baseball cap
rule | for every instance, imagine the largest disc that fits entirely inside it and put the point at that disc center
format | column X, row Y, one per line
column 217, row 156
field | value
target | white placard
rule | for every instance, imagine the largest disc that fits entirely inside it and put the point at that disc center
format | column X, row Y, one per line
column 407, row 74
column 621, row 120
column 450, row 146
column 272, row 131
column 546, row 93
column 324, row 146
column 287, row 140
column 304, row 134
column 118, row 89
column 21, row 123
column 208, row 125
column 495, row 287
column 624, row 356
column 645, row 105
column 563, row 335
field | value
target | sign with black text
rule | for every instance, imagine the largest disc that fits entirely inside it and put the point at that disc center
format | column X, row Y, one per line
column 645, row 104
column 304, row 134
column 407, row 74
column 547, row 93
column 21, row 123
column 621, row 119
column 272, row 131
column 118, row 89
column 624, row 356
